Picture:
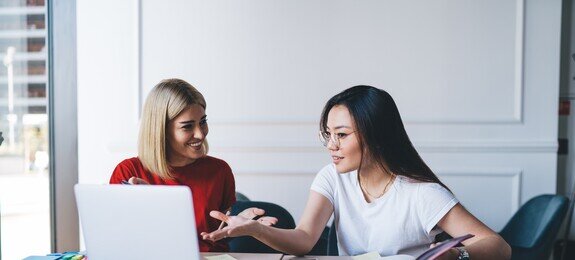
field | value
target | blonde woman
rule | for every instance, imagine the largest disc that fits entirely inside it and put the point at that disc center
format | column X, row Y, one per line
column 172, row 150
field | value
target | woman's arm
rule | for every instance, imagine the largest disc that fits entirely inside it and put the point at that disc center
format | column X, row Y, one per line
column 486, row 244
column 296, row 241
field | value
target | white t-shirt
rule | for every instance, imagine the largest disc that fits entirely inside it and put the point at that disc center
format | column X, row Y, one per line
column 402, row 221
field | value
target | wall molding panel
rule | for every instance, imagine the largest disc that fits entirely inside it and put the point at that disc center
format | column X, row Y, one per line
column 514, row 177
column 511, row 8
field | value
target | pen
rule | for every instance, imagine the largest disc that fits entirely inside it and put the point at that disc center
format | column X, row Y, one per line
column 125, row 182
column 222, row 224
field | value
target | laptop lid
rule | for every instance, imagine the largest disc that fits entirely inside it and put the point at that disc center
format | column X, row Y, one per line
column 137, row 221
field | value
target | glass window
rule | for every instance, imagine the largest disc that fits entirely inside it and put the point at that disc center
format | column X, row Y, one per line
column 24, row 178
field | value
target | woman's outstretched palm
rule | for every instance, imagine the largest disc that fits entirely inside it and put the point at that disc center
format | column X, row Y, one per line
column 240, row 225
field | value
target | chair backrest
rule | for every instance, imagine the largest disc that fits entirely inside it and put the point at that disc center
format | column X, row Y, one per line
column 251, row 245
column 533, row 228
column 320, row 247
column 241, row 197
column 332, row 241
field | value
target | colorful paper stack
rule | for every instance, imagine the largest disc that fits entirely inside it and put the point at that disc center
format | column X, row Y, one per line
column 60, row 256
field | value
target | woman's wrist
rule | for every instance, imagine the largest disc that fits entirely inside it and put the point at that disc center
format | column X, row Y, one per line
column 256, row 229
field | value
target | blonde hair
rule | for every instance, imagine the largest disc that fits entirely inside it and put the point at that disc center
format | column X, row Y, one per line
column 164, row 103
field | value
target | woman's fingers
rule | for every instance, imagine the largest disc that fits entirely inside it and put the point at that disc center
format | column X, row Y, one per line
column 216, row 235
column 251, row 213
column 435, row 244
column 238, row 226
column 268, row 221
column 224, row 233
column 219, row 215
column 258, row 211
column 136, row 180
column 132, row 180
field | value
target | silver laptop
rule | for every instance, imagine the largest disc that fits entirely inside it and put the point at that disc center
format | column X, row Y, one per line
column 137, row 221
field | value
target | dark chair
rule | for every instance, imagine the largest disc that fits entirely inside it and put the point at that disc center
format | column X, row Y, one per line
column 332, row 241
column 241, row 197
column 320, row 247
column 533, row 228
column 248, row 244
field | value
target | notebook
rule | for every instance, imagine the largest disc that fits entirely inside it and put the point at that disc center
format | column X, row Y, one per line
column 430, row 254
column 435, row 252
column 137, row 221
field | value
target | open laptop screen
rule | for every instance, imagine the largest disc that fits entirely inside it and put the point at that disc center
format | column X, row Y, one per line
column 137, row 221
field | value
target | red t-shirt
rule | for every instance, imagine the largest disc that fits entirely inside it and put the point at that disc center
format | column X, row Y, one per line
column 212, row 184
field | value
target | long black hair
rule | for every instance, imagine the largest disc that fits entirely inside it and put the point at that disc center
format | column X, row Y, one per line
column 381, row 132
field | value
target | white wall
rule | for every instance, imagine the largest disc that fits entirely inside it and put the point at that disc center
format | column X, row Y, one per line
column 475, row 81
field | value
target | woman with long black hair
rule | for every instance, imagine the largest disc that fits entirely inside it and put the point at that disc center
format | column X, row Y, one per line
column 383, row 195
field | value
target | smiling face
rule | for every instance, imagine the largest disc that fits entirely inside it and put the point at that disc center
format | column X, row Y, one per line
column 347, row 156
column 186, row 134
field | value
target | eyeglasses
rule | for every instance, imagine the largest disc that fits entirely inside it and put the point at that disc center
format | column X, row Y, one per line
column 325, row 137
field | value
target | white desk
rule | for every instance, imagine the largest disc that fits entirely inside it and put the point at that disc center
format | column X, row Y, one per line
column 240, row 256
column 274, row 256
column 311, row 257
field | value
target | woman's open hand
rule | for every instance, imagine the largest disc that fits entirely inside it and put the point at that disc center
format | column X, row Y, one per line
column 240, row 225
column 251, row 213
